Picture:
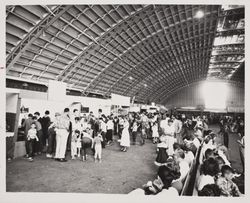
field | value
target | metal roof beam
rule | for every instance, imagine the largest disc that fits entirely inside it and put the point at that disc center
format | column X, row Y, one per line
column 33, row 35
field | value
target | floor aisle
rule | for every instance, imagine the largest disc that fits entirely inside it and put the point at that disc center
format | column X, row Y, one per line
column 118, row 173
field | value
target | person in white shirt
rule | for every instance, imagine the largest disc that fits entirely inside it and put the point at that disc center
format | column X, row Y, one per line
column 169, row 132
column 164, row 123
column 125, row 139
column 189, row 155
column 110, row 128
column 169, row 129
column 208, row 144
column 76, row 137
column 155, row 133
column 98, row 147
column 192, row 142
column 184, row 169
column 31, row 139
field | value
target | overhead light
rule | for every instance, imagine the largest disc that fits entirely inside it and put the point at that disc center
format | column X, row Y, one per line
column 199, row 14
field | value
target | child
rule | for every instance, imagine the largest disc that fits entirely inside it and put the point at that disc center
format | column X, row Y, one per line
column 155, row 133
column 225, row 183
column 98, row 147
column 32, row 138
column 78, row 144
column 162, row 155
column 74, row 143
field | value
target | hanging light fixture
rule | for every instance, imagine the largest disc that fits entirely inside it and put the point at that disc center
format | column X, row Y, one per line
column 199, row 14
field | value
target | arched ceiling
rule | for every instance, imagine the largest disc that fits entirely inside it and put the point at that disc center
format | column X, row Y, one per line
column 146, row 51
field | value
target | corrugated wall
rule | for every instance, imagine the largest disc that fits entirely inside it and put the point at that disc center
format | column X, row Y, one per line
column 192, row 97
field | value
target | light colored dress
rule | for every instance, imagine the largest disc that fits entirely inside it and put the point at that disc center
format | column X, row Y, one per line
column 155, row 131
column 125, row 139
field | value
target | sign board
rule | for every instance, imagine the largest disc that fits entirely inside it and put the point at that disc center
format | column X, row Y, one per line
column 120, row 100
column 56, row 90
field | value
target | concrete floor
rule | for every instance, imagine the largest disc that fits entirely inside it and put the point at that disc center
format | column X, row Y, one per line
column 119, row 173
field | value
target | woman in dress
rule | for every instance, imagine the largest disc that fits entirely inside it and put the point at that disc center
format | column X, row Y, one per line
column 125, row 138
column 155, row 133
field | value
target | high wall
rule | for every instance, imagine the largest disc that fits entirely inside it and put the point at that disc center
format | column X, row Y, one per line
column 192, row 96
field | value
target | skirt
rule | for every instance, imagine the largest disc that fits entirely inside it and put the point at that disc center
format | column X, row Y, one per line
column 125, row 139
column 162, row 156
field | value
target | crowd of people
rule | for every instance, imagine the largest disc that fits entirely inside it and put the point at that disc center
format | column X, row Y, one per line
column 177, row 139
column 215, row 176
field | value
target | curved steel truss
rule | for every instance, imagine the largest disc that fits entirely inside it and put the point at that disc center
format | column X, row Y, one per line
column 146, row 51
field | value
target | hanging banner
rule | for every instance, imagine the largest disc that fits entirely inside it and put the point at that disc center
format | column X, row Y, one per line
column 120, row 100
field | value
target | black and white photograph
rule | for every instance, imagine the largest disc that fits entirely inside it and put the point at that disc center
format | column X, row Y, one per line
column 136, row 99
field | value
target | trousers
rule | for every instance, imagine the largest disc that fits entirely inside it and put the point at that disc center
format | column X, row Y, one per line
column 51, row 141
column 134, row 136
column 98, row 151
column 61, row 143
column 73, row 149
column 109, row 135
column 31, row 144
column 38, row 144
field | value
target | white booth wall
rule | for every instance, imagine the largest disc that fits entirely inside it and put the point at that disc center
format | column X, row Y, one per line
column 41, row 103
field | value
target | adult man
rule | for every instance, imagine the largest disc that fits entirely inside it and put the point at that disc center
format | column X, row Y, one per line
column 72, row 120
column 45, row 121
column 62, row 133
column 164, row 123
column 37, row 115
column 52, row 138
column 38, row 144
column 103, row 128
column 120, row 126
column 110, row 127
column 169, row 132
column 26, row 125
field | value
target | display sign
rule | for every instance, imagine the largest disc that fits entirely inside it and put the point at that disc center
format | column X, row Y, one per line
column 120, row 100
column 56, row 90
column 84, row 109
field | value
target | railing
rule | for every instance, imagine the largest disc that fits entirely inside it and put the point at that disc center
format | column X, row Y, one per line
column 189, row 183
